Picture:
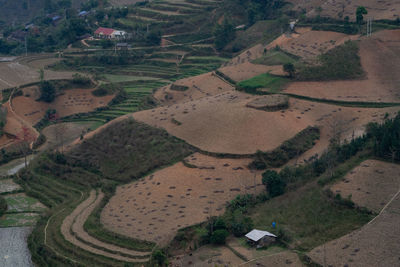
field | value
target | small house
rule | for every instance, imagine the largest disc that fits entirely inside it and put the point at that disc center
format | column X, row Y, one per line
column 260, row 238
column 108, row 33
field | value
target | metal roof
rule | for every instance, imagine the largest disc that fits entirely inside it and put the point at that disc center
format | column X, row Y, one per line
column 256, row 235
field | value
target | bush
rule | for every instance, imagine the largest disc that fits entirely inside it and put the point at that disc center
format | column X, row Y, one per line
column 274, row 183
column 3, row 206
column 81, row 80
column 218, row 237
column 47, row 91
column 159, row 258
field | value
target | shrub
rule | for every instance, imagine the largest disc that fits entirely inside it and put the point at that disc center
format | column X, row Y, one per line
column 3, row 206
column 218, row 237
column 274, row 183
column 159, row 257
column 47, row 91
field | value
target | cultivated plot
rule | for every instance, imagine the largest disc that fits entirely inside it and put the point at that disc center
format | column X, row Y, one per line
column 155, row 207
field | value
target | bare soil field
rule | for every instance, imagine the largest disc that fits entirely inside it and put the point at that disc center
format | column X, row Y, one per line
column 77, row 217
column 371, row 184
column 305, row 43
column 14, row 248
column 380, row 59
column 199, row 86
column 377, row 9
column 15, row 73
column 224, row 124
column 310, row 44
column 72, row 101
column 375, row 244
column 247, row 70
column 155, row 207
column 281, row 259
column 208, row 256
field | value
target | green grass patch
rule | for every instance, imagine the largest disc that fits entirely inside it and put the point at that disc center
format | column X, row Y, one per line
column 19, row 219
column 268, row 81
column 127, row 78
column 308, row 217
column 275, row 58
column 339, row 63
column 20, row 202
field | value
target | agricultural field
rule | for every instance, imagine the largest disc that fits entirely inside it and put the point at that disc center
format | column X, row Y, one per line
column 378, row 10
column 238, row 129
column 375, row 243
column 23, row 70
column 380, row 65
column 158, row 205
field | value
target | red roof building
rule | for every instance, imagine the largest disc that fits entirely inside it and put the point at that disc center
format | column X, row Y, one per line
column 104, row 32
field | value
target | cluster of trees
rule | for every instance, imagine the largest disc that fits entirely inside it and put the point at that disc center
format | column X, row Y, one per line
column 386, row 138
column 223, row 34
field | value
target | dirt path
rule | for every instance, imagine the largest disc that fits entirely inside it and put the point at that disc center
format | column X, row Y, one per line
column 69, row 221
column 79, row 231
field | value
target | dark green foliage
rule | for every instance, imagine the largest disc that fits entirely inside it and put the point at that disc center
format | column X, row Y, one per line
column 386, row 138
column 274, row 183
column 223, row 34
column 339, row 63
column 290, row 149
column 47, row 91
column 129, row 149
column 240, row 224
column 218, row 237
column 153, row 38
column 177, row 87
column 289, row 69
column 3, row 206
column 80, row 80
column 107, row 89
column 158, row 257
column 360, row 12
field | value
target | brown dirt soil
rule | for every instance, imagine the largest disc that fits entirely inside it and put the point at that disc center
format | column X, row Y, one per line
column 155, row 207
column 377, row 9
column 371, row 184
column 375, row 244
column 22, row 71
column 224, row 124
column 207, row 256
column 199, row 86
column 305, row 43
column 281, row 259
column 380, row 59
column 248, row 70
column 63, row 134
column 73, row 101
column 70, row 220
column 310, row 44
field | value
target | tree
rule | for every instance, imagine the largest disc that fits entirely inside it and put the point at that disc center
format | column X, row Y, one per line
column 47, row 91
column 159, row 257
column 359, row 14
column 25, row 138
column 153, row 37
column 274, row 183
column 290, row 69
column 218, row 237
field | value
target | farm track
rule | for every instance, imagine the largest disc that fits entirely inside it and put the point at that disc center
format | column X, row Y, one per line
column 72, row 230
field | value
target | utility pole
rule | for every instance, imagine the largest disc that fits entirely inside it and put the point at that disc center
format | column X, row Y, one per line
column 26, row 47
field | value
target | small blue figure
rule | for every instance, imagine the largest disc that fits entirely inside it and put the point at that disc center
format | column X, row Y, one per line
column 273, row 224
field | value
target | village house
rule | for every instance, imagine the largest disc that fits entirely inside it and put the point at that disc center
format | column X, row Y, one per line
column 260, row 238
column 108, row 33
